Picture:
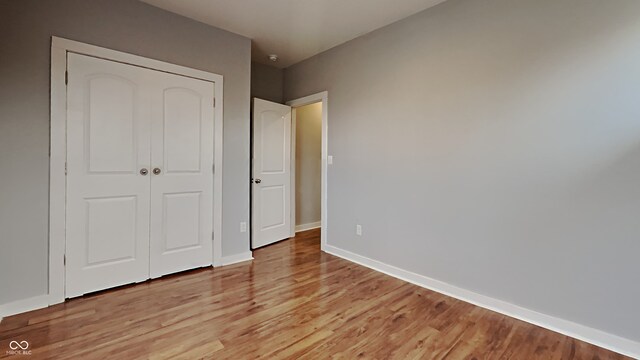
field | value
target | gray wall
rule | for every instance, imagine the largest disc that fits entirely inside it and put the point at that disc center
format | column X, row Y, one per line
column 494, row 145
column 266, row 82
column 26, row 27
column 308, row 163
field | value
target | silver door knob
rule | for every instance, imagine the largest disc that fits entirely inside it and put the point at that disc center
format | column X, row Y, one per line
column 144, row 172
column 157, row 171
column 258, row 181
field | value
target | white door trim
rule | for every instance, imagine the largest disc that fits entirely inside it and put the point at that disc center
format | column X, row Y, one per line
column 57, row 158
column 314, row 98
column 294, row 141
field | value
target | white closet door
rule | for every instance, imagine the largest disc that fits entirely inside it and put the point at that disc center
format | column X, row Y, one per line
column 181, row 174
column 107, row 197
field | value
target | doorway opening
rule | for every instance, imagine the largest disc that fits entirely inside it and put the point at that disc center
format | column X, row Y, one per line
column 306, row 160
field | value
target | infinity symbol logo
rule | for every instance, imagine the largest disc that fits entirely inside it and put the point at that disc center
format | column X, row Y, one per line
column 22, row 345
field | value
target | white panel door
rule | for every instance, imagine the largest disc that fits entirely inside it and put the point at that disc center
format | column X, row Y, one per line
column 271, row 183
column 140, row 174
column 181, row 174
column 107, row 197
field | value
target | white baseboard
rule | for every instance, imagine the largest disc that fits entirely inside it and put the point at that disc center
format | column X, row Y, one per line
column 309, row 226
column 42, row 301
column 238, row 258
column 20, row 306
column 593, row 336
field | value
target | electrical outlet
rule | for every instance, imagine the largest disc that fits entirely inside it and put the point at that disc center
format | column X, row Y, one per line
column 359, row 230
column 330, row 160
column 243, row 227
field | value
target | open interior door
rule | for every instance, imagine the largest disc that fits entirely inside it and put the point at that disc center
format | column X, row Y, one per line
column 271, row 181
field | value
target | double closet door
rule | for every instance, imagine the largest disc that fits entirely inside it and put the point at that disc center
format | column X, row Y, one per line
column 139, row 174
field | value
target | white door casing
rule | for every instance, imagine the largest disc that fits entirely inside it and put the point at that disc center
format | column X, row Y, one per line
column 182, row 191
column 124, row 226
column 271, row 182
column 322, row 97
column 107, row 197
column 61, row 49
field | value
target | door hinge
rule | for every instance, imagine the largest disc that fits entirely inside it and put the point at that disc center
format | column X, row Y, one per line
column 213, row 236
column 65, row 168
column 213, row 168
column 64, row 260
column 66, row 78
column 214, row 102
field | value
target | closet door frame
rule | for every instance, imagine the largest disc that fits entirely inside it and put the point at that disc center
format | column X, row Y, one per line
column 60, row 47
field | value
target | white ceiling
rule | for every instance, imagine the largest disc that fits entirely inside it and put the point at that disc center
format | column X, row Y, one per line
column 295, row 29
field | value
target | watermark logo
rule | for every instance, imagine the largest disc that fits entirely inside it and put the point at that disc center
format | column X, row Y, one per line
column 22, row 345
column 19, row 348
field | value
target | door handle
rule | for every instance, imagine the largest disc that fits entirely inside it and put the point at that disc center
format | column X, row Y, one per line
column 144, row 172
column 157, row 171
column 257, row 181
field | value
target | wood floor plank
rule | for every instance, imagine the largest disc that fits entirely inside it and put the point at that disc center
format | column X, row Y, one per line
column 291, row 302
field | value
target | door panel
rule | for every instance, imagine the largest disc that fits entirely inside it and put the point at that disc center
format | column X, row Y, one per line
column 182, row 193
column 108, row 244
column 111, row 124
column 182, row 130
column 271, row 185
column 272, row 140
column 272, row 209
column 107, row 198
column 181, row 221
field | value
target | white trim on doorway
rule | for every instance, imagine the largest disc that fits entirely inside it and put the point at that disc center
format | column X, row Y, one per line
column 311, row 99
column 57, row 181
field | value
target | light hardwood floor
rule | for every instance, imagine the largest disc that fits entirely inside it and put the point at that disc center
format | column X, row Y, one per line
column 292, row 301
